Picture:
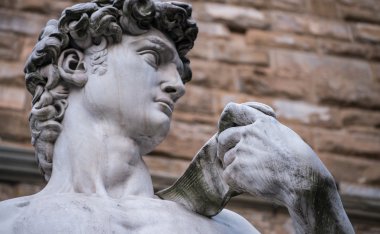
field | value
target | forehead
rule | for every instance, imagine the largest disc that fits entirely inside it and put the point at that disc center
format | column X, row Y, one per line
column 152, row 37
column 152, row 40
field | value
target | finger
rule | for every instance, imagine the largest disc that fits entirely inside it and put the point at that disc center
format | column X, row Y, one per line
column 238, row 115
column 228, row 140
column 233, row 175
column 231, row 155
column 261, row 107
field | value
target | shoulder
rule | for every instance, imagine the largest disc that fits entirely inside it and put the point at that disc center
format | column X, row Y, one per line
column 41, row 213
column 235, row 222
column 10, row 211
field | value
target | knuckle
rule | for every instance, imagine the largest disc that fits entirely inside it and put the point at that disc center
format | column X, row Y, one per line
column 265, row 119
column 263, row 108
column 229, row 109
column 227, row 136
column 231, row 172
column 231, row 105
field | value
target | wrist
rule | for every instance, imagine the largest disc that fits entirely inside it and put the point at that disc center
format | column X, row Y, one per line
column 319, row 209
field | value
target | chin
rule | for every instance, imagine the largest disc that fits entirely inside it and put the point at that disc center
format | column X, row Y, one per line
column 157, row 132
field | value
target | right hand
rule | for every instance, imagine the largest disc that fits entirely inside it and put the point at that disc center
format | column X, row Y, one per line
column 263, row 157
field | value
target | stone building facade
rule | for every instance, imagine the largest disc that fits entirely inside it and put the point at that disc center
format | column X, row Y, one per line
column 317, row 62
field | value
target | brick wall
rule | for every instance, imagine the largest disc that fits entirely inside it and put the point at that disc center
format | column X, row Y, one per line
column 317, row 62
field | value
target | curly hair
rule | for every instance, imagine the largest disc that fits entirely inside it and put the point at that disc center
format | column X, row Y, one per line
column 80, row 27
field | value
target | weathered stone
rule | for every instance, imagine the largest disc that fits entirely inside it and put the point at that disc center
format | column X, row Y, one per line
column 359, row 14
column 356, row 141
column 298, row 23
column 59, row 5
column 273, row 82
column 279, row 39
column 357, row 117
column 6, row 191
column 213, row 29
column 197, row 100
column 8, row 3
column 12, row 98
column 289, row 22
column 289, row 88
column 376, row 71
column 12, row 190
column 252, row 83
column 344, row 48
column 324, row 8
column 250, row 3
column 375, row 52
column 352, row 169
column 43, row 6
column 23, row 23
column 232, row 51
column 367, row 32
column 27, row 48
column 10, row 70
column 331, row 80
column 23, row 189
column 348, row 82
column 214, row 75
column 237, row 18
column 304, row 112
column 291, row 64
column 329, row 28
column 10, row 46
column 11, row 73
column 256, row 81
column 362, row 4
column 375, row 4
column 14, row 126
column 290, row 5
column 184, row 139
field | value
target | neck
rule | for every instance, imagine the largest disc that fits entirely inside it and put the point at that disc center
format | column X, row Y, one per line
column 94, row 157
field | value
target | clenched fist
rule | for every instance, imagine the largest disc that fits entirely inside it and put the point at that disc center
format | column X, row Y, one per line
column 263, row 157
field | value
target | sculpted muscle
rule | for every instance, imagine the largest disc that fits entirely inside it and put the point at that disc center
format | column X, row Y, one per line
column 105, row 79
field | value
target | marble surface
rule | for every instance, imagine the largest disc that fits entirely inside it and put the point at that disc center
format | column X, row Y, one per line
column 109, row 100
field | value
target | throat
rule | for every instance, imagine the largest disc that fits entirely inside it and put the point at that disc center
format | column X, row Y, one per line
column 106, row 166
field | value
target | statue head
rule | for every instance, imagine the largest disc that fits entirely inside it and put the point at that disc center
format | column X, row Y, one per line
column 78, row 46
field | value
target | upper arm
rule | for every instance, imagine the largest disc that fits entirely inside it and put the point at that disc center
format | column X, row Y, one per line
column 234, row 222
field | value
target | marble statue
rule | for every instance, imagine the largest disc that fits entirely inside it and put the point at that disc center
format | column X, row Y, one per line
column 105, row 78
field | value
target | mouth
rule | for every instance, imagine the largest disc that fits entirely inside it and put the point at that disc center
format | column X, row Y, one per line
column 166, row 106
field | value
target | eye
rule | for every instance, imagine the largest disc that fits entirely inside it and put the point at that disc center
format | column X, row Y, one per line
column 151, row 57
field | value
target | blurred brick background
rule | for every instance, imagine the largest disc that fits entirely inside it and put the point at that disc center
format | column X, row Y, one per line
column 317, row 62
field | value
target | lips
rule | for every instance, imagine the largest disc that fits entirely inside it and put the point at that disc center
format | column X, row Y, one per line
column 167, row 106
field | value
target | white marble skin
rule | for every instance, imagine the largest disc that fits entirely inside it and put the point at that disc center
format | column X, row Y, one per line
column 100, row 183
column 264, row 158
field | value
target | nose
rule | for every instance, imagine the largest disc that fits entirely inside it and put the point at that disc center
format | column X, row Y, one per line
column 172, row 84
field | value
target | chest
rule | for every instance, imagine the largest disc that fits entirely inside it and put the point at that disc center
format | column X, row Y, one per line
column 98, row 216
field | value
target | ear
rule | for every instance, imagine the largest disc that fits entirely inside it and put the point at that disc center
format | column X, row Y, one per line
column 72, row 68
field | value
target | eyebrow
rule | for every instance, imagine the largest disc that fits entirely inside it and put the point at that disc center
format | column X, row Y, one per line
column 166, row 48
column 160, row 42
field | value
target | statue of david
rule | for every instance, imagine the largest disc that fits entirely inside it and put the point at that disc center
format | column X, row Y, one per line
column 105, row 79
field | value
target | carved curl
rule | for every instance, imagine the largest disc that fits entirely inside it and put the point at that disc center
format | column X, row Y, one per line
column 80, row 27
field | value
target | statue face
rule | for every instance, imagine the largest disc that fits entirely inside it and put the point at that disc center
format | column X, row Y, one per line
column 139, row 89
